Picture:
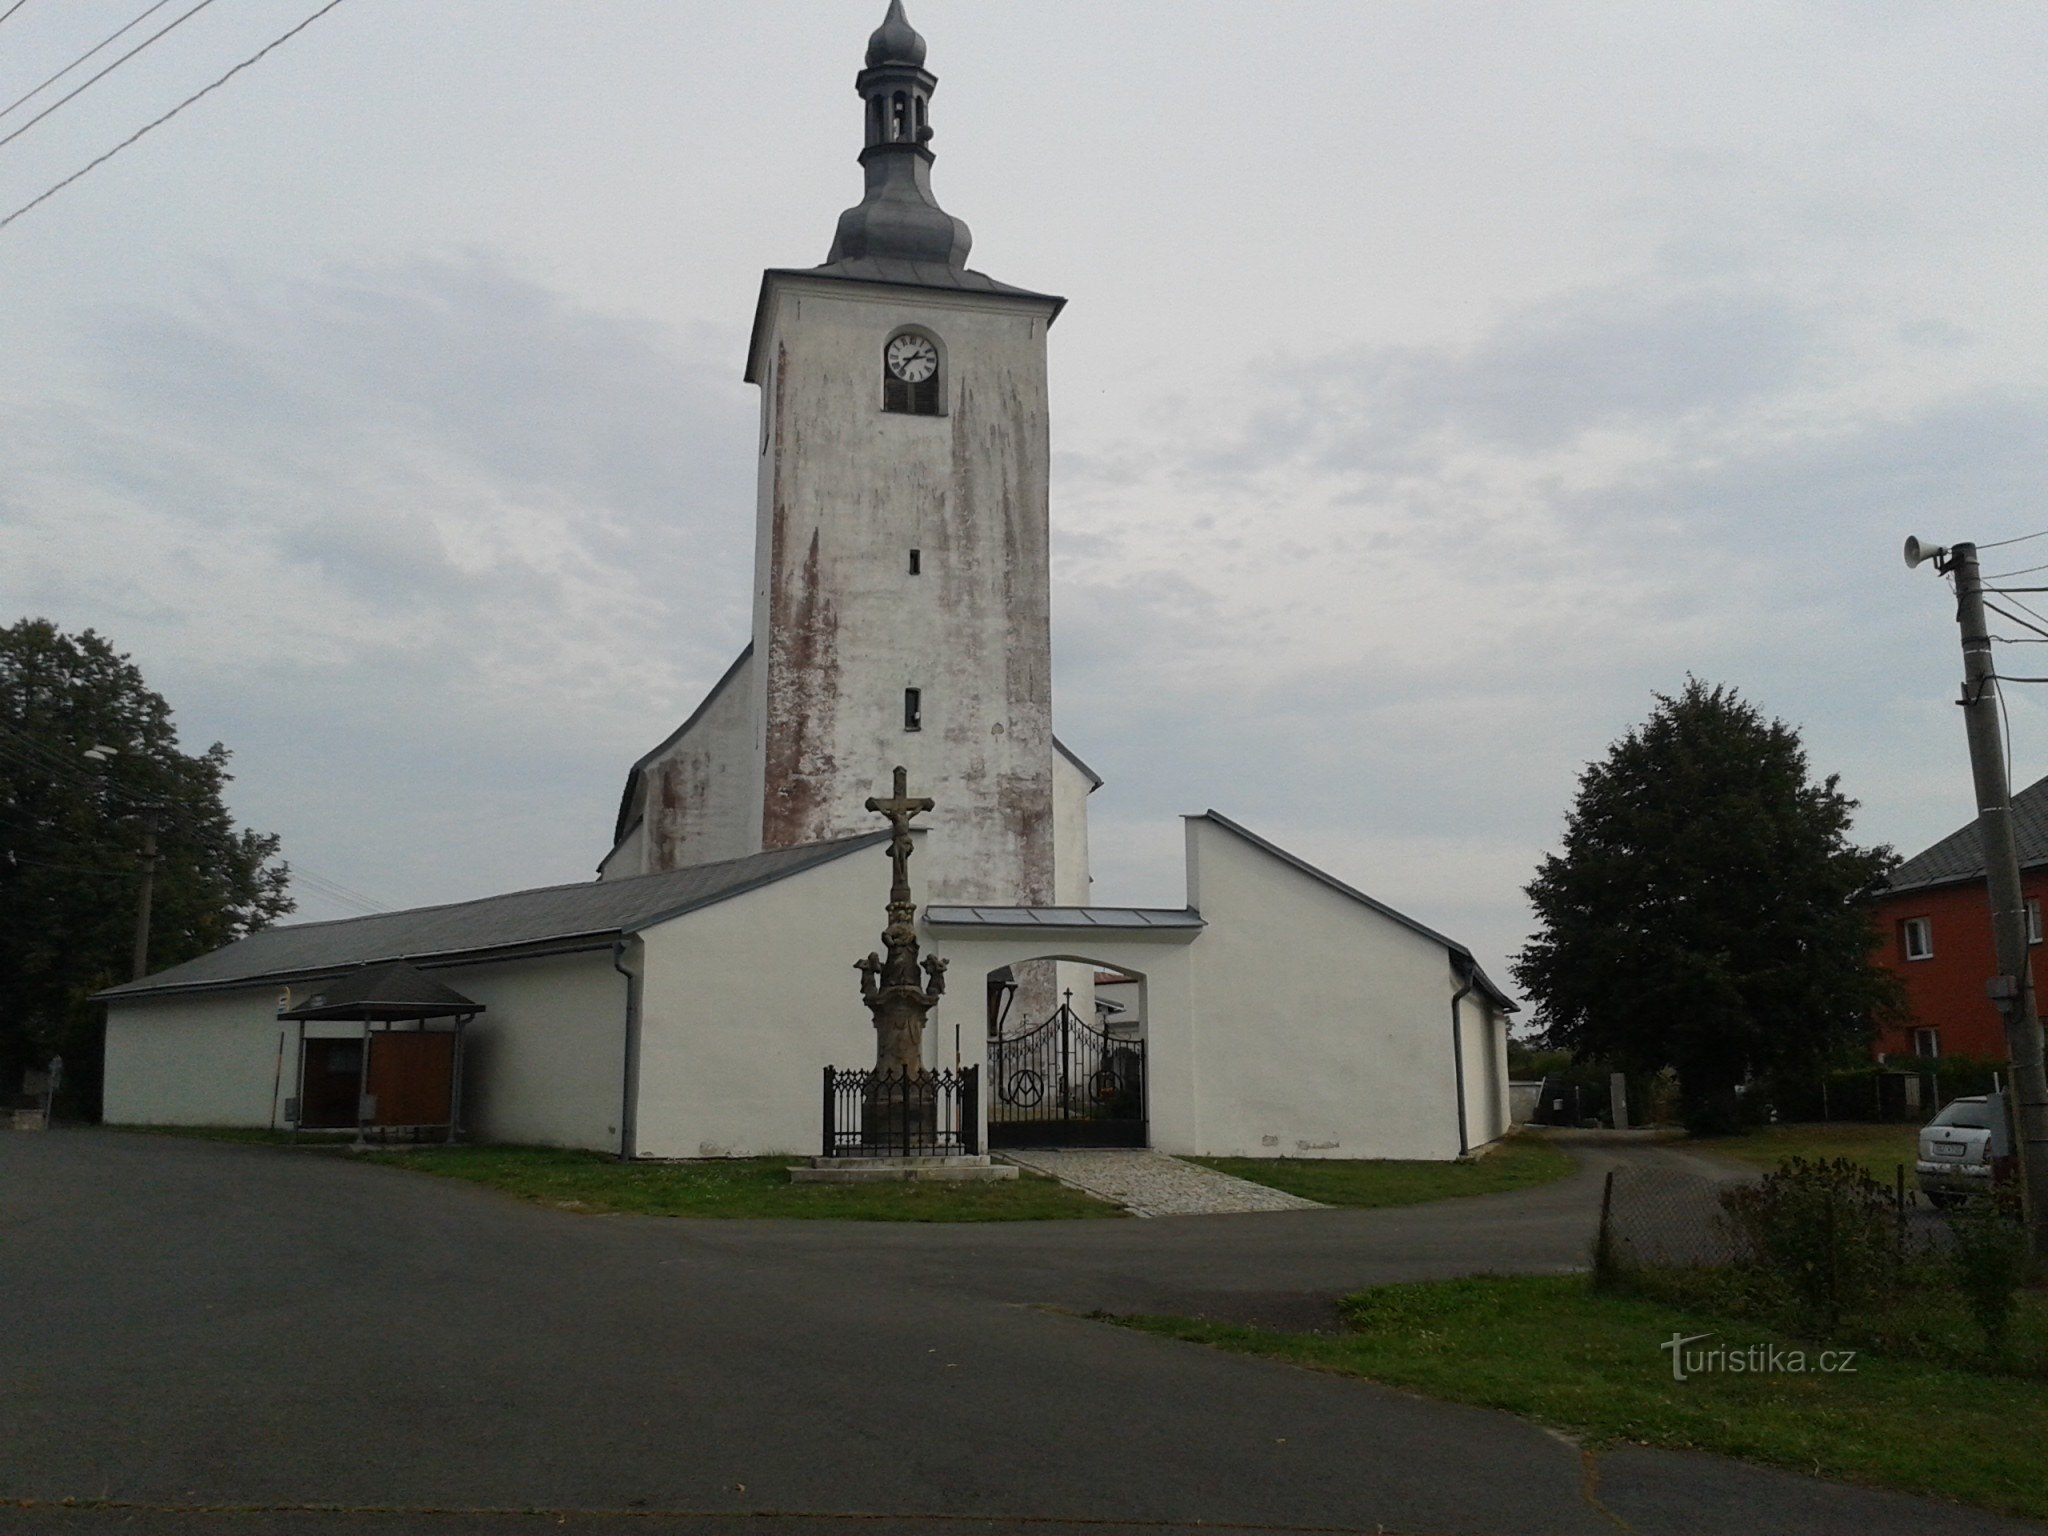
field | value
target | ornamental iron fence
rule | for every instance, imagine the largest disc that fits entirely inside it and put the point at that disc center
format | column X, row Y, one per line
column 893, row 1113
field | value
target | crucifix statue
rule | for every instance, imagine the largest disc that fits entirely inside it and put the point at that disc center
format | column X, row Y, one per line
column 898, row 990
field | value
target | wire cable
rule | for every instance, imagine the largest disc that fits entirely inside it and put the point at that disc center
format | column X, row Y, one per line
column 95, row 48
column 159, row 122
column 2001, row 543
column 77, row 91
column 2025, row 570
column 2023, row 624
column 18, row 4
column 2030, row 611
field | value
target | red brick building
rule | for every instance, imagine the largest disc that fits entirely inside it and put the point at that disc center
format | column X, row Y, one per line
column 1934, row 932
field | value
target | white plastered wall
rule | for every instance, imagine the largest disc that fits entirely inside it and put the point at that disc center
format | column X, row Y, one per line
column 695, row 796
column 744, row 1003
column 544, row 1065
column 541, row 1065
column 1070, row 878
column 1483, row 1030
column 210, row 1059
column 1323, row 1027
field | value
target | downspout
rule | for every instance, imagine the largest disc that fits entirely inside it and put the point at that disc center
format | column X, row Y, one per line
column 1458, row 1059
column 629, row 1074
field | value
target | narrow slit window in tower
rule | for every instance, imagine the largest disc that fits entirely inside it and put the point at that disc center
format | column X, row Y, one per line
column 913, row 709
column 916, row 562
column 898, row 127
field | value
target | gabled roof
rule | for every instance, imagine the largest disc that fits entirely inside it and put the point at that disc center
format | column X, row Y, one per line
column 1461, row 957
column 1958, row 857
column 555, row 919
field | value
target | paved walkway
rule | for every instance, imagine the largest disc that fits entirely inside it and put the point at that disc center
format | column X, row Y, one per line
column 1148, row 1183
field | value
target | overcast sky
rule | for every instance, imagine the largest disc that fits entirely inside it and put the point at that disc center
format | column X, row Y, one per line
column 1438, row 383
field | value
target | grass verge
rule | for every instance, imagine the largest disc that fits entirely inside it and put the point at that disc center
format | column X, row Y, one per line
column 737, row 1188
column 1520, row 1164
column 1877, row 1149
column 1551, row 1349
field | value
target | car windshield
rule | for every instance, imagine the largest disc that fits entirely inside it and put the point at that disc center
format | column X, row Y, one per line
column 1970, row 1114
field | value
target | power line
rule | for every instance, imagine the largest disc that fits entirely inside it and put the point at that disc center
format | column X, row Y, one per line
column 95, row 48
column 159, row 122
column 154, row 37
column 2001, row 543
column 2023, row 624
column 18, row 4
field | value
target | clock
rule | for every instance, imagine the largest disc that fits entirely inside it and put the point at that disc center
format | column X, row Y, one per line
column 913, row 359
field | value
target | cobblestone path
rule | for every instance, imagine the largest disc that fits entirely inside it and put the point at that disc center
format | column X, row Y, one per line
column 1148, row 1183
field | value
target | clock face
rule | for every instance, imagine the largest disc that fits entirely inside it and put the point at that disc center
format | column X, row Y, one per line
column 912, row 359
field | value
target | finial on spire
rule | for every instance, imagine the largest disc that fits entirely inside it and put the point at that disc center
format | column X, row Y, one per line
column 896, row 40
column 898, row 219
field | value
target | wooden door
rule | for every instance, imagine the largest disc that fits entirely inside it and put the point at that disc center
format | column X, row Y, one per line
column 412, row 1076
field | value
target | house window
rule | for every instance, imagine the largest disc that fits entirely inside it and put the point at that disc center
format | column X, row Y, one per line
column 2033, row 922
column 917, row 565
column 1916, row 937
column 1927, row 1043
column 913, row 709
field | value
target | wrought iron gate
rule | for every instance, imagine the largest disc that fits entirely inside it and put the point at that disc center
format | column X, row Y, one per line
column 1065, row 1083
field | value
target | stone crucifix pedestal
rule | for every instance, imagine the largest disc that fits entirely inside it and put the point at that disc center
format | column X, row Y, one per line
column 900, row 1131
column 900, row 991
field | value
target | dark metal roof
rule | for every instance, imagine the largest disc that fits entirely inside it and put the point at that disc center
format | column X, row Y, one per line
column 555, row 919
column 1461, row 957
column 1958, row 857
column 384, row 992
column 1128, row 920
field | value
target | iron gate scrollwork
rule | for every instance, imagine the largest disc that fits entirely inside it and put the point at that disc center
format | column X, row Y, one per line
column 1065, row 1082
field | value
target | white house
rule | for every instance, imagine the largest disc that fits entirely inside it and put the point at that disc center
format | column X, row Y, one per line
column 683, row 1003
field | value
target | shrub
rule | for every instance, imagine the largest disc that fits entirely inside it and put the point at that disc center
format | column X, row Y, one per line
column 1817, row 1236
column 1990, row 1261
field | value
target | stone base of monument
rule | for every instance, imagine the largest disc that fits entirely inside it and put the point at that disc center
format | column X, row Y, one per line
column 899, row 1170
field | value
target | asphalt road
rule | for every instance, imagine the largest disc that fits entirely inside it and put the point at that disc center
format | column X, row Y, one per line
column 203, row 1338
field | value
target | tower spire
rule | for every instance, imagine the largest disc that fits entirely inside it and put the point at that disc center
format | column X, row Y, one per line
column 898, row 218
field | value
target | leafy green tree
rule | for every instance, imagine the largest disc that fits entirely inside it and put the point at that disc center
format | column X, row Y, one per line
column 71, row 836
column 1704, row 913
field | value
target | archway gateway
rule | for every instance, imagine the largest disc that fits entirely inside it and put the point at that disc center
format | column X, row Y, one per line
column 1063, row 1080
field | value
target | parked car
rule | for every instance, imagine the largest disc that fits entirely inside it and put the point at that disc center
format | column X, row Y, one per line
column 1957, row 1153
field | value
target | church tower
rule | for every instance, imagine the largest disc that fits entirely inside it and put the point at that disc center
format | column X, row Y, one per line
column 901, row 585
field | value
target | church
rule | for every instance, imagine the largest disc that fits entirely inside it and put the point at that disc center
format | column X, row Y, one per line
column 684, row 1003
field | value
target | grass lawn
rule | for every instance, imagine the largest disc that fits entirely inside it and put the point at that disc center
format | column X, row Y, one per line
column 1361, row 1181
column 1879, row 1149
column 737, row 1187
column 1549, row 1348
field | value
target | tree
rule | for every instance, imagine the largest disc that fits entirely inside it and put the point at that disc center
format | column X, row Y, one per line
column 1705, row 913
column 71, row 836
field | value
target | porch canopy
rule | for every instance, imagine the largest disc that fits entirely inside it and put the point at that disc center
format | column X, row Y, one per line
column 403, row 1082
column 386, row 993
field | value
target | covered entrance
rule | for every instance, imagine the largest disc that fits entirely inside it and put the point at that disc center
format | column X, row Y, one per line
column 390, row 1083
column 1065, row 1082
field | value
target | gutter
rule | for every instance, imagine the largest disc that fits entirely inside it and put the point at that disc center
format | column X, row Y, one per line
column 1458, row 1059
column 629, row 1073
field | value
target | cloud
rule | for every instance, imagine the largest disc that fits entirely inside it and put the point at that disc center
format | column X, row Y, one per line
column 425, row 520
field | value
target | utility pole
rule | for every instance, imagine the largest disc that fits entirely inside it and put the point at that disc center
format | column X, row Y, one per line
column 148, row 893
column 2013, row 988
